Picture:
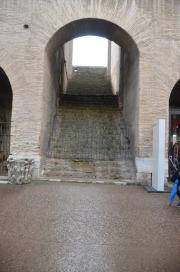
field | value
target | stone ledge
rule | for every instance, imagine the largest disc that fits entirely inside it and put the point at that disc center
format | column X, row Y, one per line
column 87, row 180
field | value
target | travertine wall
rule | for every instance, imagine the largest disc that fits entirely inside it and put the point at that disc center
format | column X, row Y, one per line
column 68, row 53
column 130, row 89
column 115, row 67
column 154, row 26
column 68, row 69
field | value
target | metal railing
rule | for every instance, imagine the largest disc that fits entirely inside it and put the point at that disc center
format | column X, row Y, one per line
column 5, row 128
column 174, row 160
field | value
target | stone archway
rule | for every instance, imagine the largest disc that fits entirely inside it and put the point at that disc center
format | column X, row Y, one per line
column 103, row 28
column 174, row 129
column 5, row 120
column 98, row 27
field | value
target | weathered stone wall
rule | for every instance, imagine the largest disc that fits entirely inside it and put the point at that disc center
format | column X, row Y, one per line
column 130, row 77
column 68, row 53
column 115, row 67
column 154, row 26
column 68, row 69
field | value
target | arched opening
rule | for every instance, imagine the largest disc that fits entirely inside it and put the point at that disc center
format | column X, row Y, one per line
column 5, row 120
column 91, row 51
column 86, row 66
column 174, row 130
column 57, row 79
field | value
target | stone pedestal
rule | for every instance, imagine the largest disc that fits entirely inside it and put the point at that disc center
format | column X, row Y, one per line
column 19, row 170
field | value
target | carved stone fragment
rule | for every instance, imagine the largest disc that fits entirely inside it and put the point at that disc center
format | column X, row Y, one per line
column 19, row 170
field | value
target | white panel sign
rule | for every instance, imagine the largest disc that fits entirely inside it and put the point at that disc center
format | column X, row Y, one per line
column 158, row 155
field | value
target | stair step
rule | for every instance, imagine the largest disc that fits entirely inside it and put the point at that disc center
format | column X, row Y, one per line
column 122, row 182
column 114, row 170
column 113, row 175
column 52, row 162
column 72, row 176
column 75, row 174
column 110, row 100
column 89, row 80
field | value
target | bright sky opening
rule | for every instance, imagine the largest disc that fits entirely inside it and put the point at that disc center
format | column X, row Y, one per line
column 90, row 51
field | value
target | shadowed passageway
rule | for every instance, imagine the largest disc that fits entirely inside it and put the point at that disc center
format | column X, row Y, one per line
column 81, row 227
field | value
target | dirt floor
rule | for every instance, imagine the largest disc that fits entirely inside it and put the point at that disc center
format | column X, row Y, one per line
column 63, row 227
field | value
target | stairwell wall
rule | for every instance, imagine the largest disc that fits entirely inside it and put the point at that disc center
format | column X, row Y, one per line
column 115, row 56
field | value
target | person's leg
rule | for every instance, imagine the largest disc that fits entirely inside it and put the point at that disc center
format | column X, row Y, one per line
column 178, row 194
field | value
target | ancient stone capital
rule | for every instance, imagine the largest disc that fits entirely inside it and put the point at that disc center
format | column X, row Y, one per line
column 19, row 170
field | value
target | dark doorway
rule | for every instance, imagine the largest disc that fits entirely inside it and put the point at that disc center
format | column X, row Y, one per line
column 174, row 130
column 5, row 120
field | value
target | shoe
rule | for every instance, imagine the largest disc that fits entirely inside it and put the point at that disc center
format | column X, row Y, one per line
column 178, row 205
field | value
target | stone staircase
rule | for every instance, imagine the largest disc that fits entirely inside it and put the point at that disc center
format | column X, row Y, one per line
column 96, row 171
column 89, row 140
column 89, row 81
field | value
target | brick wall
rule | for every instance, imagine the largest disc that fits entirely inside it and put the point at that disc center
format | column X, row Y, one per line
column 154, row 26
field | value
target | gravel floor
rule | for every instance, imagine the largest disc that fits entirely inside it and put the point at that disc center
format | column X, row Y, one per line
column 75, row 227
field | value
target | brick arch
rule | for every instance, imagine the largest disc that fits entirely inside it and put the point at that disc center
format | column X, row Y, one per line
column 174, row 123
column 6, row 97
column 48, row 19
column 6, row 65
column 4, row 77
column 93, row 26
column 98, row 27
column 7, row 75
column 13, row 71
column 127, row 16
column 174, row 98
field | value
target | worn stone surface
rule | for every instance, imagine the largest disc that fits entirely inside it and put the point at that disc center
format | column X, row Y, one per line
column 19, row 170
column 86, row 128
column 89, row 139
column 114, row 67
column 89, row 81
column 87, row 228
column 91, row 171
